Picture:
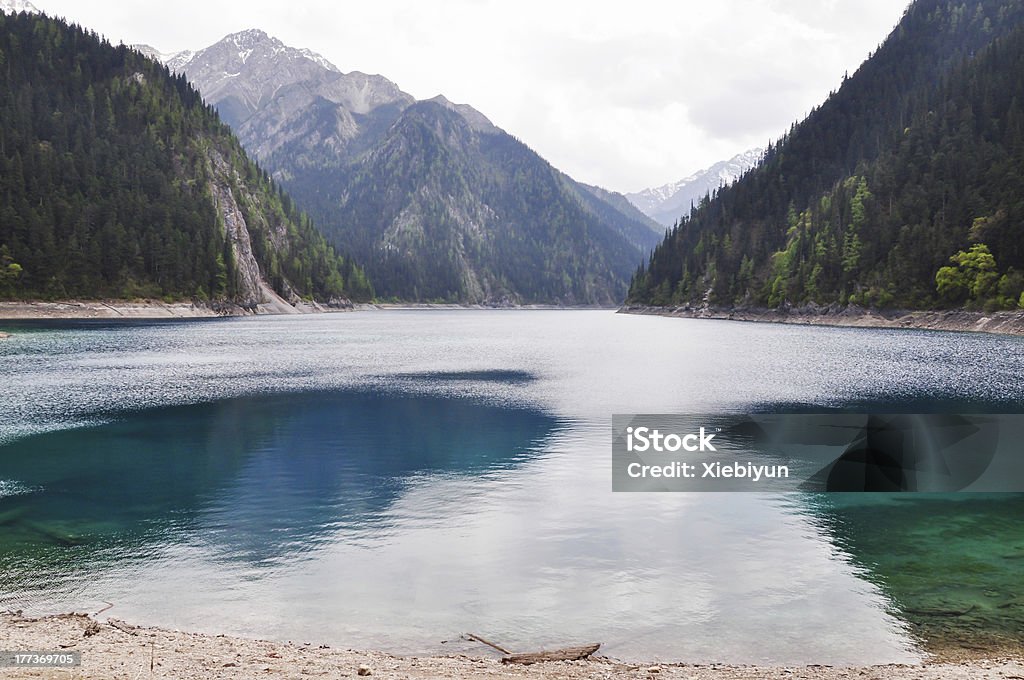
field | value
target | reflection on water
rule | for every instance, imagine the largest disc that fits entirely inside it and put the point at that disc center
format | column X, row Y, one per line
column 395, row 519
column 266, row 478
column 389, row 480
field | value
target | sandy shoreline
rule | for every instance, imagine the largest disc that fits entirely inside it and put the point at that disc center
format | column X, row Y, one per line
column 1010, row 322
column 114, row 649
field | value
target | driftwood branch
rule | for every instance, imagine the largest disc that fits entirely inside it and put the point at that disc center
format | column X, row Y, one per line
column 526, row 658
column 566, row 654
column 122, row 626
column 471, row 636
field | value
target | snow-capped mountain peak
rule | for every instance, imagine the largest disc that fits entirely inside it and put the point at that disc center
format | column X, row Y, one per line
column 319, row 59
column 246, row 42
column 237, row 50
column 669, row 202
column 273, row 94
column 251, row 73
column 257, row 41
column 175, row 61
column 16, row 6
column 250, row 37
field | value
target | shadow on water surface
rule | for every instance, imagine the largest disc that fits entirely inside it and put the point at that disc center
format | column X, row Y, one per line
column 910, row 403
column 266, row 477
column 500, row 376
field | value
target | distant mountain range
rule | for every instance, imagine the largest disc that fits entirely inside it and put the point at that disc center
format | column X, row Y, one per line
column 437, row 201
column 667, row 203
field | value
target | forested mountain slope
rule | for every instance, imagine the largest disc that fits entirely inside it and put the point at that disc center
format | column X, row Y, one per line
column 905, row 188
column 441, row 211
column 118, row 181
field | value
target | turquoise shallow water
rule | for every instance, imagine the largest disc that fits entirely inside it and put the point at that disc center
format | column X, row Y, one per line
column 953, row 565
column 392, row 479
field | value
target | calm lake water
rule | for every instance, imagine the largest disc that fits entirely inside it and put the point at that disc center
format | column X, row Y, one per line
column 392, row 479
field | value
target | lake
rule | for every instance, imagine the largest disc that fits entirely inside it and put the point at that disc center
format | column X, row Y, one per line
column 391, row 479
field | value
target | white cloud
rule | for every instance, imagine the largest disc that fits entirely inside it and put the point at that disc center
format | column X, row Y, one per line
column 626, row 95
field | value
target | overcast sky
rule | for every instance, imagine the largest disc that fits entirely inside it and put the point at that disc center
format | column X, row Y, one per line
column 626, row 95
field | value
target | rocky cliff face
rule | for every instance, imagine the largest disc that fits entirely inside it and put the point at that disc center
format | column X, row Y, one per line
column 253, row 294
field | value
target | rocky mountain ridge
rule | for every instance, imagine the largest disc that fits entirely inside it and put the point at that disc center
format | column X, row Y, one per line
column 322, row 133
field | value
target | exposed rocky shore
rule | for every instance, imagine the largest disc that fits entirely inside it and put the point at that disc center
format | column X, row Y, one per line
column 1011, row 322
column 113, row 649
column 155, row 309
column 485, row 305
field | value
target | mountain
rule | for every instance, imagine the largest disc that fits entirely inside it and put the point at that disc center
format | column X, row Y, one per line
column 625, row 209
column 440, row 210
column 363, row 158
column 667, row 203
column 129, row 186
column 290, row 107
column 16, row 6
column 476, row 120
column 903, row 189
column 172, row 60
column 447, row 213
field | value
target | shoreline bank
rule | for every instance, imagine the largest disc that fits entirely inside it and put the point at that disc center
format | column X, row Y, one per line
column 96, row 309
column 458, row 306
column 147, row 309
column 156, row 309
column 115, row 649
column 1007, row 323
